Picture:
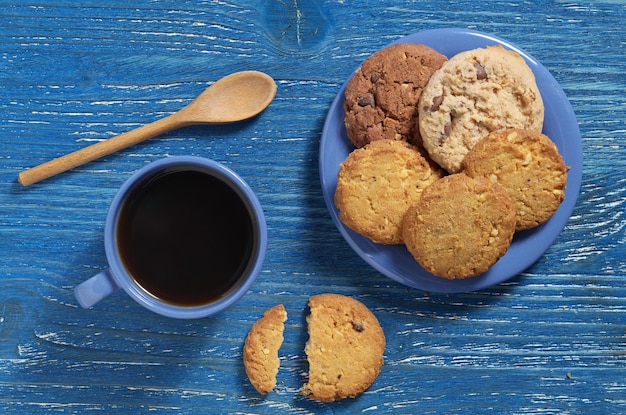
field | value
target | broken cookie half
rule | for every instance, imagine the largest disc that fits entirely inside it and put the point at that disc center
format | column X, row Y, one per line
column 344, row 350
column 260, row 351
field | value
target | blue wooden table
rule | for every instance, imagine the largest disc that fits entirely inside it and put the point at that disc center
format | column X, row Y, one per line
column 552, row 340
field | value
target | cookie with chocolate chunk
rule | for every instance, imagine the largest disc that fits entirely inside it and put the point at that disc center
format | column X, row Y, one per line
column 345, row 348
column 381, row 96
column 377, row 183
column 260, row 350
column 529, row 167
column 475, row 93
column 460, row 226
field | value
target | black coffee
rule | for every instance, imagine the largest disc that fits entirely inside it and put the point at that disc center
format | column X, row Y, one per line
column 185, row 237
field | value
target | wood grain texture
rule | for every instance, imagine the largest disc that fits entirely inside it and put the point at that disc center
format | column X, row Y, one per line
column 551, row 341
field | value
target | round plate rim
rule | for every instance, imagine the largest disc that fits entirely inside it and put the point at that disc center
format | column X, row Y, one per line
column 527, row 246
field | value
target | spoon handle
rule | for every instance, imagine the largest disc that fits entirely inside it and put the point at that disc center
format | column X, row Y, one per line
column 95, row 151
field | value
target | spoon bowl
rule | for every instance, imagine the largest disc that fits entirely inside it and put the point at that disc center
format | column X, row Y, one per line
column 236, row 97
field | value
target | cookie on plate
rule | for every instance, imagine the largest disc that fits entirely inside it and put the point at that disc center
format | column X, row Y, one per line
column 475, row 93
column 260, row 350
column 376, row 185
column 345, row 348
column 381, row 97
column 460, row 226
column 528, row 165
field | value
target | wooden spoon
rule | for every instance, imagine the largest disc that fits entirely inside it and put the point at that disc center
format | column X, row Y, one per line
column 235, row 97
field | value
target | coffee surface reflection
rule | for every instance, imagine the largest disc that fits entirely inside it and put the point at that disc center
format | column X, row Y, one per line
column 185, row 237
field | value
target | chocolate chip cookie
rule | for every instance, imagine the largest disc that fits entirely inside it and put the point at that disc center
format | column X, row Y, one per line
column 475, row 93
column 381, row 97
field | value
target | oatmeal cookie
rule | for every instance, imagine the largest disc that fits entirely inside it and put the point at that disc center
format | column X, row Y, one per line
column 529, row 167
column 376, row 185
column 460, row 226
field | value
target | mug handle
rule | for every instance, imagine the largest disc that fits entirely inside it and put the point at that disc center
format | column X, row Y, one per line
column 95, row 289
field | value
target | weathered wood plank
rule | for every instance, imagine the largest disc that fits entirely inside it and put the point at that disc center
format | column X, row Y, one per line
column 552, row 340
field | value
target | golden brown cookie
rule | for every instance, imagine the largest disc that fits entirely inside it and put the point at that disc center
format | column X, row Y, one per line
column 260, row 351
column 344, row 350
column 376, row 185
column 529, row 167
column 460, row 226
column 473, row 94
column 381, row 97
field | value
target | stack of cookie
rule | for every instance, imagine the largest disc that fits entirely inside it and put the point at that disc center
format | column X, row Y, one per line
column 449, row 156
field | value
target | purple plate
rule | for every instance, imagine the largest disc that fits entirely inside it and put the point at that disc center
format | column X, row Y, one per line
column 395, row 261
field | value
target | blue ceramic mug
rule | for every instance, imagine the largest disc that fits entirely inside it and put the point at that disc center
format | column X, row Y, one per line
column 185, row 237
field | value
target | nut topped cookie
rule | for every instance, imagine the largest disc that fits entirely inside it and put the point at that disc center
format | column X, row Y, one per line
column 475, row 93
column 376, row 185
column 460, row 226
column 529, row 167
column 260, row 350
column 345, row 348
column 381, row 97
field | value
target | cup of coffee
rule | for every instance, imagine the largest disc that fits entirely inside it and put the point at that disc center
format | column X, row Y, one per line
column 185, row 237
